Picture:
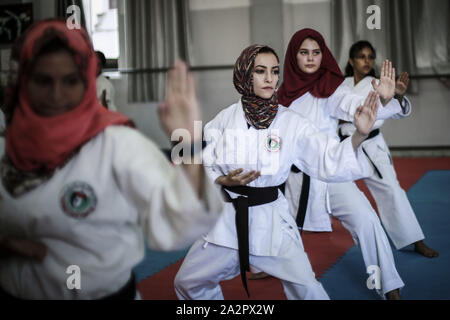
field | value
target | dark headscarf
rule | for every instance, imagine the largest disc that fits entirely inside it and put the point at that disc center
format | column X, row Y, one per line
column 259, row 112
column 320, row 84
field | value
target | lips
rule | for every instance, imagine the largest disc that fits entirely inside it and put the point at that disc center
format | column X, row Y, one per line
column 268, row 88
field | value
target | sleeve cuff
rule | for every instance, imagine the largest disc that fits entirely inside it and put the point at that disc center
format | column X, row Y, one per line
column 406, row 107
column 391, row 109
column 212, row 174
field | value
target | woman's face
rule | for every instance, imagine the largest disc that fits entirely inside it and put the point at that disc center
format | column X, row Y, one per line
column 55, row 85
column 309, row 56
column 266, row 72
column 363, row 62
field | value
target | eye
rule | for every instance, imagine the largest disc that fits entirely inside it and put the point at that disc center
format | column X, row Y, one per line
column 317, row 52
column 259, row 71
column 276, row 71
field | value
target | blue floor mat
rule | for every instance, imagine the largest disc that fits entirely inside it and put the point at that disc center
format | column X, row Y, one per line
column 424, row 278
column 155, row 261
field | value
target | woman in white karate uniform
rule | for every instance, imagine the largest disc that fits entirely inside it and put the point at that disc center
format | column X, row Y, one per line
column 395, row 211
column 80, row 188
column 312, row 87
column 251, row 147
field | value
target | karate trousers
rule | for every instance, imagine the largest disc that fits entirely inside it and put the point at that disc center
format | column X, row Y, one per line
column 206, row 264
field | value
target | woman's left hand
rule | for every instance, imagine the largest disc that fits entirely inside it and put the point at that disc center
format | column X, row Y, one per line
column 402, row 84
column 386, row 85
column 366, row 115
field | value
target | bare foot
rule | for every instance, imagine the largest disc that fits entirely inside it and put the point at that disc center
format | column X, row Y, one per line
column 393, row 295
column 423, row 249
column 257, row 276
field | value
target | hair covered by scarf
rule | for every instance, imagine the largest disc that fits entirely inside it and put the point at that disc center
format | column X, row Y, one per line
column 321, row 84
column 259, row 112
column 38, row 143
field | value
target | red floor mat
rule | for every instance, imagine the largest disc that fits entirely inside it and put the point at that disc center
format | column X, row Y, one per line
column 323, row 249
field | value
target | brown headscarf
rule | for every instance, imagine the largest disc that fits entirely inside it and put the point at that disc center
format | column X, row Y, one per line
column 259, row 112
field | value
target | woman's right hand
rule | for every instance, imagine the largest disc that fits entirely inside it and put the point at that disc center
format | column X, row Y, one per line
column 10, row 246
column 181, row 107
column 237, row 178
column 386, row 86
column 365, row 117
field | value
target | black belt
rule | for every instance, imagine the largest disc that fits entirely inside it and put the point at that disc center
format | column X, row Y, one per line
column 127, row 292
column 249, row 197
column 372, row 135
column 303, row 202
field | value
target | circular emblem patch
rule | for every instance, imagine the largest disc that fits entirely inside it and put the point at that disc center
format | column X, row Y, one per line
column 78, row 199
column 273, row 143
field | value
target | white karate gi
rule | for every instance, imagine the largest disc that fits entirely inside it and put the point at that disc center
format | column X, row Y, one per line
column 344, row 200
column 395, row 211
column 275, row 245
column 92, row 212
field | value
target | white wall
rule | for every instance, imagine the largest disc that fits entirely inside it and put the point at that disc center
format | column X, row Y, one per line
column 220, row 31
column 299, row 14
column 428, row 125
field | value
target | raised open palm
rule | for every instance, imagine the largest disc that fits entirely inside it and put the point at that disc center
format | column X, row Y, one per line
column 366, row 115
column 180, row 108
column 402, row 84
column 386, row 86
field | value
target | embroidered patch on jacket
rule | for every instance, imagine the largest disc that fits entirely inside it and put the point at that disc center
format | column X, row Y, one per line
column 78, row 199
column 273, row 143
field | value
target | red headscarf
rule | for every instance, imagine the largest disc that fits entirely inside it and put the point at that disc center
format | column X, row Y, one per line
column 320, row 84
column 34, row 142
